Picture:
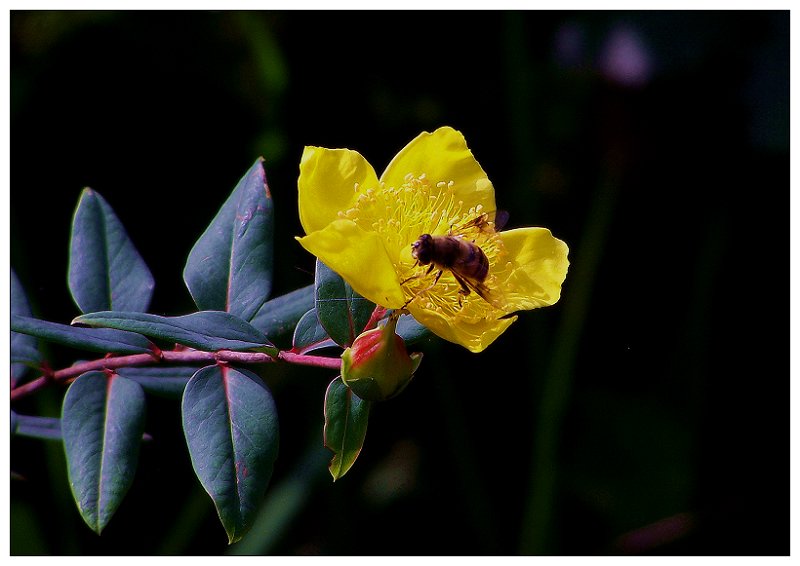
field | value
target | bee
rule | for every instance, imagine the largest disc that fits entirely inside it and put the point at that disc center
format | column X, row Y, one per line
column 463, row 258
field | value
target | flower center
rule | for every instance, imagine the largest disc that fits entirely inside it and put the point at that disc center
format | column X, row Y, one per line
column 402, row 214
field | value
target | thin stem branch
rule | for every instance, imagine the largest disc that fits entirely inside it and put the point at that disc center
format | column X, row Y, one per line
column 305, row 360
column 171, row 356
column 377, row 314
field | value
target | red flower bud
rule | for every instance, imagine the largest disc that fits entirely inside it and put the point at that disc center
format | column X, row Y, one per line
column 377, row 366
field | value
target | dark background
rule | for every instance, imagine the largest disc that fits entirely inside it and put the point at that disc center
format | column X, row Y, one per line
column 647, row 412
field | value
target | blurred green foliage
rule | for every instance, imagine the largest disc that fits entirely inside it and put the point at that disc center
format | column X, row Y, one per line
column 646, row 413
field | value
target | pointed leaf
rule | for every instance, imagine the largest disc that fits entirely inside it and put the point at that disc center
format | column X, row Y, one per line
column 230, row 267
column 410, row 330
column 105, row 270
column 104, row 340
column 45, row 428
column 342, row 312
column 206, row 330
column 346, row 417
column 166, row 381
column 24, row 347
column 309, row 334
column 231, row 429
column 102, row 422
column 278, row 317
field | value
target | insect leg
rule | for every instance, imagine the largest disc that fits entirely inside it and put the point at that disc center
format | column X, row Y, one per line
column 428, row 288
column 416, row 263
column 465, row 290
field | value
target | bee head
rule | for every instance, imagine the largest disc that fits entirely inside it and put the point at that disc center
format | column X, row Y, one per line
column 422, row 248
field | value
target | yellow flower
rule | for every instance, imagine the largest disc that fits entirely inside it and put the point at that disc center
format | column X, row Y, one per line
column 363, row 228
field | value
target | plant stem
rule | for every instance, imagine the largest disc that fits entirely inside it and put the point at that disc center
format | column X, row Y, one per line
column 376, row 316
column 171, row 356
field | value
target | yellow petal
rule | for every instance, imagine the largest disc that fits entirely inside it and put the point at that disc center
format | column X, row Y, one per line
column 443, row 156
column 326, row 184
column 538, row 268
column 475, row 336
column 359, row 258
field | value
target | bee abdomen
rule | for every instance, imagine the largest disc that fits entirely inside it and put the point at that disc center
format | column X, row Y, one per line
column 474, row 262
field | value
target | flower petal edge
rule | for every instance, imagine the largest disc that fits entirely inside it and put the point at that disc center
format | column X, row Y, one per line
column 360, row 258
column 326, row 184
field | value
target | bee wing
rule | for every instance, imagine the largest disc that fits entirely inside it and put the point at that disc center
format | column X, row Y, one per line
column 500, row 220
column 482, row 290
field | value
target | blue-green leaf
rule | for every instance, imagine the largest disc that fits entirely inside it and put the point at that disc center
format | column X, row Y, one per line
column 24, row 347
column 163, row 381
column 104, row 340
column 230, row 266
column 410, row 330
column 45, row 428
column 102, row 422
column 278, row 317
column 105, row 270
column 309, row 334
column 206, row 330
column 231, row 429
column 342, row 312
column 346, row 418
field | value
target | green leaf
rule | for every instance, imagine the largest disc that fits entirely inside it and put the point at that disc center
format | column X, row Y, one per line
column 230, row 266
column 206, row 330
column 166, row 381
column 231, row 429
column 284, row 503
column 102, row 421
column 46, row 428
column 342, row 312
column 103, row 340
column 24, row 347
column 309, row 334
column 346, row 416
column 278, row 317
column 105, row 270
column 410, row 330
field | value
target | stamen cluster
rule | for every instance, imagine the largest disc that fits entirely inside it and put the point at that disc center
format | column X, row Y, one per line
column 402, row 214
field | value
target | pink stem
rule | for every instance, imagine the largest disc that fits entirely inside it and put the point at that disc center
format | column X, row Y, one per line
column 171, row 356
column 378, row 313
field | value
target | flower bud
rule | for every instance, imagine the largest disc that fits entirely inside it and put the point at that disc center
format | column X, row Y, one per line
column 377, row 365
